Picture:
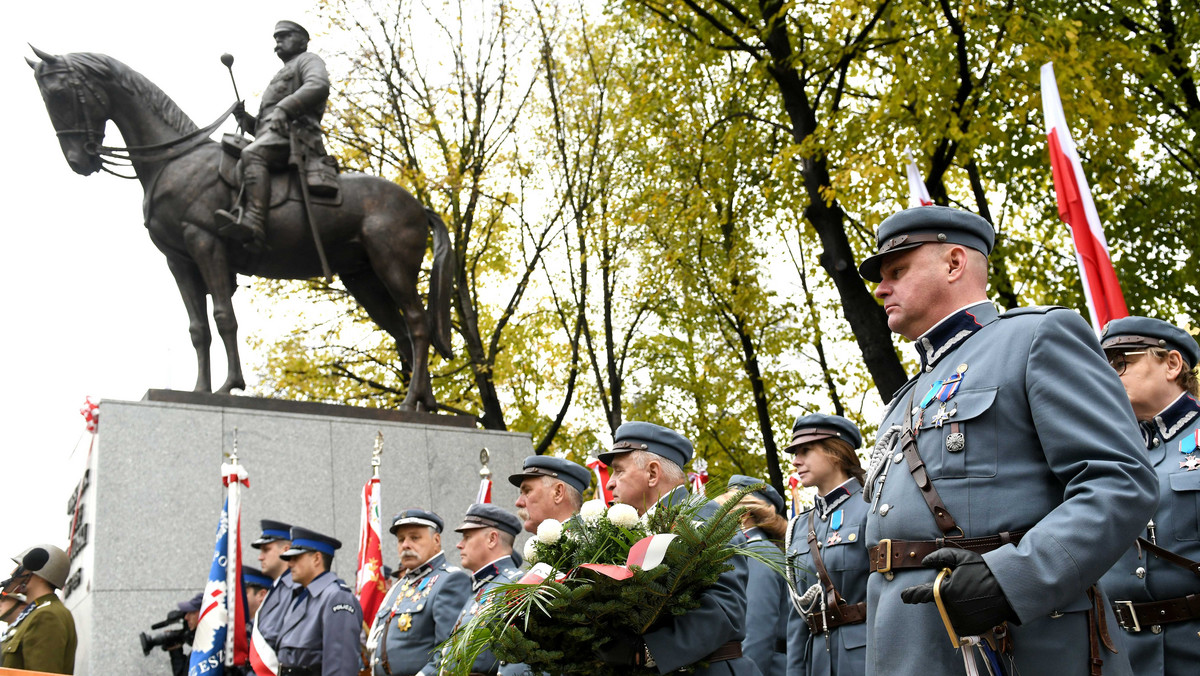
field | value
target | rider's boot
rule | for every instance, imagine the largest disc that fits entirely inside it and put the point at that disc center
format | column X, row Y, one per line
column 249, row 228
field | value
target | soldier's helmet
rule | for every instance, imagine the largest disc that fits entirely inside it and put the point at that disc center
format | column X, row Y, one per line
column 47, row 562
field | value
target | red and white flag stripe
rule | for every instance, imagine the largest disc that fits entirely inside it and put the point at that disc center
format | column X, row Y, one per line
column 484, row 496
column 263, row 659
column 918, row 194
column 1101, row 289
column 601, row 471
column 646, row 553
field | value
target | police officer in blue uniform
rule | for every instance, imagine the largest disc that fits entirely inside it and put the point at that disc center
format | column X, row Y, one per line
column 767, row 606
column 549, row 488
column 323, row 621
column 421, row 609
column 647, row 463
column 827, row 560
column 1155, row 587
column 1011, row 459
column 488, row 533
column 268, row 621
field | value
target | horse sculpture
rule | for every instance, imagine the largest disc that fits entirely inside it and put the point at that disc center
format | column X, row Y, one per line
column 375, row 239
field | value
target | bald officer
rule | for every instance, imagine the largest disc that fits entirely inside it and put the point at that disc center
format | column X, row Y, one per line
column 420, row 611
column 550, row 488
column 1154, row 588
column 647, row 463
column 1011, row 459
column 323, row 621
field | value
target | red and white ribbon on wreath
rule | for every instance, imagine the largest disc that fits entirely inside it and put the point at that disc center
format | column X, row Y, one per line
column 646, row 554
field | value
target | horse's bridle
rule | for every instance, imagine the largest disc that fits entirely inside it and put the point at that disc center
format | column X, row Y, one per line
column 110, row 155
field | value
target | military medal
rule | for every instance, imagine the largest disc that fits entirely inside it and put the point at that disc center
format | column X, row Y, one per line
column 404, row 622
column 833, row 539
column 1192, row 463
column 835, row 520
column 943, row 415
column 1188, row 444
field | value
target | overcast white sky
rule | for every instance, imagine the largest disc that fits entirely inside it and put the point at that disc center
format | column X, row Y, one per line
column 89, row 307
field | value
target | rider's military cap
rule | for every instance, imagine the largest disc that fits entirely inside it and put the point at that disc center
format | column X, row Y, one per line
column 1131, row 333
column 920, row 225
column 285, row 26
column 577, row 476
column 417, row 517
column 480, row 515
column 766, row 492
column 816, row 426
column 656, row 439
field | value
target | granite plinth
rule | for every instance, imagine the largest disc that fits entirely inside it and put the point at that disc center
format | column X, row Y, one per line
column 155, row 494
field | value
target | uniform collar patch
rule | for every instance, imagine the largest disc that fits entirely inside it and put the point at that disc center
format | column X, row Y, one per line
column 949, row 333
column 1178, row 415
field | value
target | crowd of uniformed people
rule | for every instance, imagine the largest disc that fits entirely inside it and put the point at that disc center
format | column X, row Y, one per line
column 1029, row 506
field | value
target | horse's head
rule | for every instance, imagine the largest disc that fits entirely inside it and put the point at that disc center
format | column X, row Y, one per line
column 78, row 108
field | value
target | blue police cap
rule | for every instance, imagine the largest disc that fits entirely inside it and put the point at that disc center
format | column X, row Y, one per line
column 416, row 517
column 644, row 436
column 272, row 531
column 191, row 605
column 921, row 225
column 254, row 576
column 1131, row 333
column 284, row 26
column 480, row 515
column 305, row 540
column 767, row 493
column 574, row 474
column 820, row 426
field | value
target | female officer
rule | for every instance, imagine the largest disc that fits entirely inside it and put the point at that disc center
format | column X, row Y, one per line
column 827, row 561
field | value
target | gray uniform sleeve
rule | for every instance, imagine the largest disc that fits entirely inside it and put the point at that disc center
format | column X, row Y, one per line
column 797, row 644
column 340, row 630
column 452, row 597
column 314, row 86
column 1089, row 436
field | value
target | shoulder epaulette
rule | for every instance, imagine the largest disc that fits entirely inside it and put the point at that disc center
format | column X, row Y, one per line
column 1032, row 310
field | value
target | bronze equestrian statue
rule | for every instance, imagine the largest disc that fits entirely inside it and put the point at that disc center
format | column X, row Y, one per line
column 374, row 231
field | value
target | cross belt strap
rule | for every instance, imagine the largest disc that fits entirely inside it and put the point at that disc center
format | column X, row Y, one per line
column 1170, row 556
column 916, row 467
column 890, row 555
column 1136, row 617
column 834, row 617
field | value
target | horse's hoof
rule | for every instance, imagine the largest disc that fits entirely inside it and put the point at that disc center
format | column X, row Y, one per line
column 407, row 407
column 228, row 388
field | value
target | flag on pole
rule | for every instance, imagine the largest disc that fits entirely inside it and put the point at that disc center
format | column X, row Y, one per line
column 600, row 470
column 794, row 489
column 1101, row 289
column 918, row 194
column 700, row 476
column 485, row 491
column 220, row 639
column 369, row 582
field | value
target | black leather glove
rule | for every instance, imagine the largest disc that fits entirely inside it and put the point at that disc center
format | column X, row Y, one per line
column 972, row 595
column 623, row 648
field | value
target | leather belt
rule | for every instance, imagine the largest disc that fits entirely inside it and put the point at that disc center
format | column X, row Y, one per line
column 832, row 618
column 1137, row 617
column 889, row 555
column 729, row 651
column 314, row 670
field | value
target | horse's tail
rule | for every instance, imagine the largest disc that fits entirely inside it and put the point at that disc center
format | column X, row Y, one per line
column 441, row 285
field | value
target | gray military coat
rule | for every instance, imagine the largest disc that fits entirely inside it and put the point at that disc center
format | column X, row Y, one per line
column 496, row 573
column 767, row 607
column 418, row 614
column 843, row 649
column 270, row 614
column 1039, row 435
column 1141, row 576
column 321, row 628
column 721, row 618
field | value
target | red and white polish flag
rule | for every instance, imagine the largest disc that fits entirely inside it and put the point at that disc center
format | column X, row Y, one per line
column 1101, row 289
column 600, row 470
column 918, row 193
column 369, row 581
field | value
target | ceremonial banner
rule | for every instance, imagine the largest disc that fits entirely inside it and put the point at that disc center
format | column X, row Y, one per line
column 1105, row 302
column 220, row 639
column 369, row 583
column 699, row 477
column 600, row 470
column 918, row 194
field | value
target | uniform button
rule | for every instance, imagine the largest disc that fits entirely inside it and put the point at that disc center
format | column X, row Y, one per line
column 884, row 509
column 929, row 369
column 1056, row 614
column 1155, row 444
column 1140, row 572
column 889, row 575
column 1156, row 629
column 898, row 457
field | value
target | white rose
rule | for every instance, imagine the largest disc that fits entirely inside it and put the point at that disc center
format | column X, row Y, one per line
column 623, row 515
column 549, row 531
column 530, row 550
column 592, row 510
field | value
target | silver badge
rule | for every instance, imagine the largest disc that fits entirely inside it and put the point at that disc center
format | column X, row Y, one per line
column 955, row 442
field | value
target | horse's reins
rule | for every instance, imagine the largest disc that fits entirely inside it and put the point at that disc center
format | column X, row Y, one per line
column 158, row 152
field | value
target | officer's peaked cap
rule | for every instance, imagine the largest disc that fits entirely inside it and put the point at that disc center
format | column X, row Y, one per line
column 1132, row 333
column 285, row 26
column 816, row 426
column 417, row 517
column 656, row 439
column 271, row 532
column 766, row 493
column 920, row 225
column 254, row 576
column 305, row 540
column 574, row 474
column 480, row 515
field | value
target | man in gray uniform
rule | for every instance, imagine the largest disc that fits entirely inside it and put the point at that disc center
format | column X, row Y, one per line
column 268, row 621
column 647, row 470
column 292, row 104
column 487, row 550
column 323, row 619
column 421, row 609
column 550, row 488
column 1012, row 459
column 1155, row 588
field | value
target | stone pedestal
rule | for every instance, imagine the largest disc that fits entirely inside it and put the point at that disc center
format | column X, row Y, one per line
column 151, row 497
